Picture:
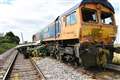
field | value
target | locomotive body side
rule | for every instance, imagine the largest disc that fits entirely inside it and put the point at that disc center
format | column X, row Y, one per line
column 66, row 26
column 71, row 24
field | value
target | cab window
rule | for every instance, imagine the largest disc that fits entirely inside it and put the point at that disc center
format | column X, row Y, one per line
column 89, row 15
column 106, row 18
column 71, row 19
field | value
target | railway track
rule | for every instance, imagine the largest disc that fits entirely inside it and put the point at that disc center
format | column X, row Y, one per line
column 10, row 66
column 4, row 70
column 22, row 69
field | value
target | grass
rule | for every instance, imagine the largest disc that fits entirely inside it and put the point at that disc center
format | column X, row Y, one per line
column 5, row 46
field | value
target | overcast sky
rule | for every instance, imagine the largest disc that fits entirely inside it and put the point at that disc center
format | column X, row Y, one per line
column 30, row 16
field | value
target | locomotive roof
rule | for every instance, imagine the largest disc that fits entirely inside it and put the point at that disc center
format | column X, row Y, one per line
column 103, row 2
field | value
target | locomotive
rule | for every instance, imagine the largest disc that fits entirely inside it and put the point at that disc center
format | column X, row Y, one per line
column 84, row 34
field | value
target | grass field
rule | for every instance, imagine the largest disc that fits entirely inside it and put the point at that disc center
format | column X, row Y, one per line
column 6, row 46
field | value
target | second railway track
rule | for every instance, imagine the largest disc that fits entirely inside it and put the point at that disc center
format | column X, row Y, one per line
column 23, row 69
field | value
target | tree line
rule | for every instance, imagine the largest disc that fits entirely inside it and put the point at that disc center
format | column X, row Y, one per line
column 9, row 37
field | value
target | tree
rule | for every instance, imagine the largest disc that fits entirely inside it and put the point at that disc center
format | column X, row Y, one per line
column 10, row 37
column 17, row 39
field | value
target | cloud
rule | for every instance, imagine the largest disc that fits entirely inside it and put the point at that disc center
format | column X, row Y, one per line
column 7, row 2
column 30, row 16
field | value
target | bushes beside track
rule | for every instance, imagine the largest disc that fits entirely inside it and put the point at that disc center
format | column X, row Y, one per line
column 7, row 41
column 38, row 51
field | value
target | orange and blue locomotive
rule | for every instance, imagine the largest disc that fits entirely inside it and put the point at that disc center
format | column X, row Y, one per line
column 84, row 34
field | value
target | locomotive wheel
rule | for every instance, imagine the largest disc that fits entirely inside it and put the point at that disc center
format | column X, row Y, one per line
column 51, row 54
column 60, row 54
column 57, row 55
column 69, row 59
column 77, row 61
column 60, row 58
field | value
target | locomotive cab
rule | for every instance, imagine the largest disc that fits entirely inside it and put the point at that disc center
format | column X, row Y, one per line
column 98, row 24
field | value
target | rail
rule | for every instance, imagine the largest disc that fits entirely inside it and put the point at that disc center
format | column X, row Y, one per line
column 10, row 67
column 38, row 69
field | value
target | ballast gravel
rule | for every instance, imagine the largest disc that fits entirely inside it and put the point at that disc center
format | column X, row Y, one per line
column 55, row 70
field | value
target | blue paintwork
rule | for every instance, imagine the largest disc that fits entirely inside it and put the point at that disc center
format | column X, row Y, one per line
column 51, row 30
